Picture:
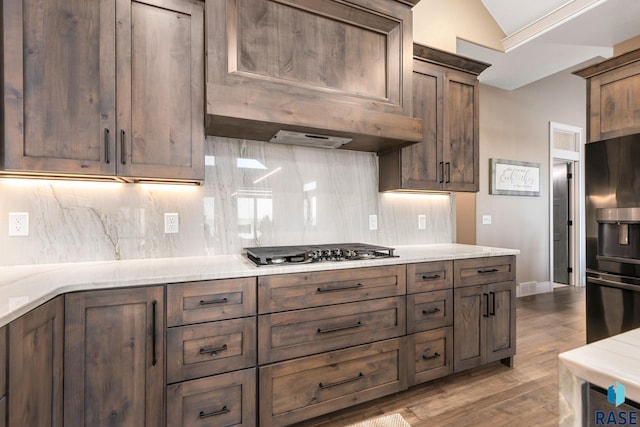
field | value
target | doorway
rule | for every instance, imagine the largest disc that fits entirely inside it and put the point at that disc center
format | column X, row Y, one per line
column 561, row 222
column 566, row 205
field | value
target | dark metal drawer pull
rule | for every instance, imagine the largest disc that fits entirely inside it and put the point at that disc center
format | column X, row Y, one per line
column 339, row 328
column 435, row 276
column 489, row 270
column 123, row 147
column 348, row 380
column 433, row 356
column 214, row 301
column 222, row 411
column 432, row 311
column 213, row 351
column 345, row 288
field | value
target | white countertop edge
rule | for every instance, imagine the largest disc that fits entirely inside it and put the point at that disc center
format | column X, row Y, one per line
column 25, row 287
column 606, row 361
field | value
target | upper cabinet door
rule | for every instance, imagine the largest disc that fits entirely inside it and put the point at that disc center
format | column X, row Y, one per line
column 461, row 129
column 160, row 75
column 59, row 94
column 315, row 66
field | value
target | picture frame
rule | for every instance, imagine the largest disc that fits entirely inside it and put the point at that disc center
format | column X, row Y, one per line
column 514, row 178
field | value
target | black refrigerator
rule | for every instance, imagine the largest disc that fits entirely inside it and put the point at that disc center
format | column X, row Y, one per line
column 612, row 190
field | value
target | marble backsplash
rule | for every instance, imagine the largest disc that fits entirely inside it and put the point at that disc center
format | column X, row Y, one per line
column 255, row 194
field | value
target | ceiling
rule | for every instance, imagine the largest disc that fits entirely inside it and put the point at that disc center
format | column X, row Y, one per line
column 548, row 36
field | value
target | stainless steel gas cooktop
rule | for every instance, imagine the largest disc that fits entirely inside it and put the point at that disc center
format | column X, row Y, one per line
column 278, row 255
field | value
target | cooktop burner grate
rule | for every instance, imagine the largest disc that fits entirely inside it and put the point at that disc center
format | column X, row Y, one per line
column 277, row 255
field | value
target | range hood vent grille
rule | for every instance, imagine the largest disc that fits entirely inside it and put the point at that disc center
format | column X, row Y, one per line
column 309, row 139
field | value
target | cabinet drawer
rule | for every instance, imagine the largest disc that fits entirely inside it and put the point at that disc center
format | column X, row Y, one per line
column 429, row 276
column 221, row 400
column 430, row 355
column 429, row 310
column 3, row 411
column 479, row 271
column 303, row 332
column 210, row 348
column 314, row 289
column 210, row 300
column 308, row 387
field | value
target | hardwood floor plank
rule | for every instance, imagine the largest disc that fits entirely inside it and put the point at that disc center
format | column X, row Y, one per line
column 493, row 395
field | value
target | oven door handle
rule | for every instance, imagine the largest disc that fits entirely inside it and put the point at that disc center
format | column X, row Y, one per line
column 613, row 284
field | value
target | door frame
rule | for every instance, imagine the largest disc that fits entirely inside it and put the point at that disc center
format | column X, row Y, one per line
column 577, row 254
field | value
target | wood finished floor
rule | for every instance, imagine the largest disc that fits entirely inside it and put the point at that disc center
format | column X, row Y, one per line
column 493, row 395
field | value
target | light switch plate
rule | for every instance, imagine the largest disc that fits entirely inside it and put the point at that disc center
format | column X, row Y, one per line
column 373, row 222
column 486, row 219
column 422, row 222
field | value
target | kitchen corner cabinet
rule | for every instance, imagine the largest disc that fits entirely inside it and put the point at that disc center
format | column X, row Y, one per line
column 613, row 97
column 445, row 97
column 313, row 66
column 114, row 357
column 36, row 367
column 484, row 311
column 103, row 89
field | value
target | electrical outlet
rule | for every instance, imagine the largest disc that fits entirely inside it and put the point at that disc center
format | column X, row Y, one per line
column 171, row 223
column 18, row 223
column 422, row 222
column 373, row 222
column 486, row 219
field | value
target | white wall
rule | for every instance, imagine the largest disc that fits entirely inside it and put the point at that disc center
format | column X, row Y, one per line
column 514, row 125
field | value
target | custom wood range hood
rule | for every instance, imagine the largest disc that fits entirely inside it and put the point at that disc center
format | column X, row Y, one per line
column 326, row 68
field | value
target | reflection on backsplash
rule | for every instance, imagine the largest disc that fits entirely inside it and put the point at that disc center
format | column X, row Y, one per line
column 255, row 194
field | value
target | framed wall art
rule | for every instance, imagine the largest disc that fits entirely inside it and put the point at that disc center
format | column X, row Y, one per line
column 514, row 178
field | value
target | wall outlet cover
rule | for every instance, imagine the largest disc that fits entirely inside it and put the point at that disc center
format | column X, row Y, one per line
column 171, row 223
column 373, row 222
column 18, row 223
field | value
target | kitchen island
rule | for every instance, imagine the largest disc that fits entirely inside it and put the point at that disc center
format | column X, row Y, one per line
column 602, row 363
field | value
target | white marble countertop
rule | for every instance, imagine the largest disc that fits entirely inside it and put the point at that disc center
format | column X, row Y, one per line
column 609, row 360
column 25, row 287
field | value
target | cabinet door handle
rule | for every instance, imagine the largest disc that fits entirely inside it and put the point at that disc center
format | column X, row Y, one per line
column 433, row 356
column 214, row 301
column 493, row 303
column 441, row 172
column 222, row 411
column 107, row 137
column 432, row 277
column 344, row 288
column 486, row 305
column 448, row 172
column 431, row 311
column 339, row 328
column 123, row 153
column 488, row 270
column 348, row 380
column 213, row 351
column 154, row 305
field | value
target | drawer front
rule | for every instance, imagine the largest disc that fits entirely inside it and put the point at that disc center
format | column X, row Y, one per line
column 300, row 389
column 429, row 310
column 210, row 348
column 221, row 400
column 211, row 300
column 303, row 332
column 430, row 355
column 429, row 276
column 480, row 271
column 314, row 289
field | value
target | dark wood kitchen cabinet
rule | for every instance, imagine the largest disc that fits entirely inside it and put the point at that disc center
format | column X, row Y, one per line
column 36, row 342
column 104, row 89
column 114, row 357
column 429, row 321
column 212, row 353
column 445, row 97
column 3, row 376
column 313, row 66
column 484, row 311
column 613, row 97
